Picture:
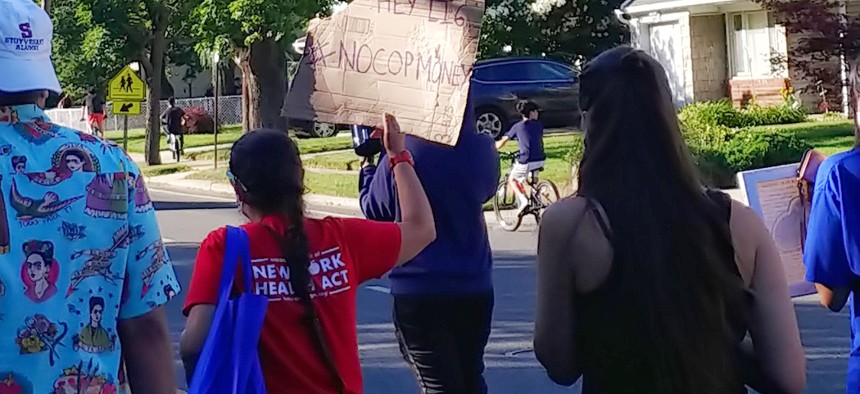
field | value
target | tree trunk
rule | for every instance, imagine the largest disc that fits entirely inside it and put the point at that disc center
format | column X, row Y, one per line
column 241, row 60
column 154, row 79
column 267, row 84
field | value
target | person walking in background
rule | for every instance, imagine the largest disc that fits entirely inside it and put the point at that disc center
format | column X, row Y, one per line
column 443, row 299
column 297, row 354
column 171, row 122
column 529, row 134
column 94, row 112
column 647, row 281
column 74, row 298
column 832, row 250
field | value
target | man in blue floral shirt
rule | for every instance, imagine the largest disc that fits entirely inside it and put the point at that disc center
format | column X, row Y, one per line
column 83, row 271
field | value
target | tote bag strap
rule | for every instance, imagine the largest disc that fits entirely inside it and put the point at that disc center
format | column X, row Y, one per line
column 235, row 242
column 311, row 318
column 232, row 248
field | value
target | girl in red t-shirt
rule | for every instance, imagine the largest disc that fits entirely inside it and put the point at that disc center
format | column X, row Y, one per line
column 309, row 269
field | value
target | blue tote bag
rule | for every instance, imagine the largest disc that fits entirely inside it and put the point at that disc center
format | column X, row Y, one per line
column 229, row 362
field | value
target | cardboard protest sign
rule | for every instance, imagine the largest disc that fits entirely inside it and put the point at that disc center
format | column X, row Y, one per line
column 410, row 58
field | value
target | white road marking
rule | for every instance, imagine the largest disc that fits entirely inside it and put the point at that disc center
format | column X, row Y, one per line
column 379, row 289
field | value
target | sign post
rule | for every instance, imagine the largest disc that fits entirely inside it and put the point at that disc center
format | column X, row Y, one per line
column 126, row 90
column 216, row 59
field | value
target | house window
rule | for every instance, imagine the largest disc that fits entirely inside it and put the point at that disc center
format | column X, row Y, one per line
column 754, row 42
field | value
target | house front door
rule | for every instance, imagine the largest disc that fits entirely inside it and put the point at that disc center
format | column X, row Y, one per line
column 665, row 45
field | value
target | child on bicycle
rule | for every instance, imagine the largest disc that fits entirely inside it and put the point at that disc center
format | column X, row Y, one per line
column 529, row 134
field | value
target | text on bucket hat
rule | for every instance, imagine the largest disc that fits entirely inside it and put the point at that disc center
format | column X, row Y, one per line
column 26, row 31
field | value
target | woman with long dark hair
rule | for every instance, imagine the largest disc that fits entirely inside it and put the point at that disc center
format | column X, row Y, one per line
column 648, row 281
column 309, row 269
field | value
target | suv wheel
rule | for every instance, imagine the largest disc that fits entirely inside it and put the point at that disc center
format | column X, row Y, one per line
column 324, row 130
column 490, row 121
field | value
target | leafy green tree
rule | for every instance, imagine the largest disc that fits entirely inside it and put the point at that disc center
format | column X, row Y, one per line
column 568, row 30
column 256, row 34
column 94, row 39
column 84, row 55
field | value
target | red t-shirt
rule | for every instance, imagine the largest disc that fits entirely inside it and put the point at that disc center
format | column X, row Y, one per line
column 344, row 253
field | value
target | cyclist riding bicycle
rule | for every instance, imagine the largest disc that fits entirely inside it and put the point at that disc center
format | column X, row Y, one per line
column 531, row 157
column 171, row 125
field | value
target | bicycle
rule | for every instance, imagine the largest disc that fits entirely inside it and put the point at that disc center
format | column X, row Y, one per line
column 540, row 194
column 175, row 142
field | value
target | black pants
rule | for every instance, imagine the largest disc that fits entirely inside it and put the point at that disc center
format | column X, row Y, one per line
column 443, row 339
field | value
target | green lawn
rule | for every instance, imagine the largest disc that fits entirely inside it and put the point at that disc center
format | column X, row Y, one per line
column 828, row 137
column 345, row 161
column 341, row 185
column 306, row 146
column 163, row 169
column 137, row 138
column 555, row 146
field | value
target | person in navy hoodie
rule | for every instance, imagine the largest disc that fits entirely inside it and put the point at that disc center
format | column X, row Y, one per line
column 443, row 299
column 832, row 253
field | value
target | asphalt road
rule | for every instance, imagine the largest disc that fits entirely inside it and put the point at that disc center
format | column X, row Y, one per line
column 511, row 367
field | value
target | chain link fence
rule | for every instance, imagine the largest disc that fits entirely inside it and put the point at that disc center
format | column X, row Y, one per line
column 229, row 112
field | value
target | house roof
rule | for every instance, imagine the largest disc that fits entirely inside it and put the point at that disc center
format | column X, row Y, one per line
column 646, row 6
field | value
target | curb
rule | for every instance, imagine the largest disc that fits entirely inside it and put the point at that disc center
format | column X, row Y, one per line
column 218, row 189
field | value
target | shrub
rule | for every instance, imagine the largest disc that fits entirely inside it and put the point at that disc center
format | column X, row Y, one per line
column 745, row 150
column 711, row 112
column 197, row 120
column 577, row 149
column 756, row 115
column 723, row 113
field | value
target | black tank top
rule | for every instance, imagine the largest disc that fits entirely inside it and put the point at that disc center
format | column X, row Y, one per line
column 602, row 346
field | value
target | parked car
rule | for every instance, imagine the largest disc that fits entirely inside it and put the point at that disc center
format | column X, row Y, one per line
column 314, row 129
column 499, row 84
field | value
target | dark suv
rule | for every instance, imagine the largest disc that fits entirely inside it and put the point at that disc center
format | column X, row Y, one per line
column 498, row 84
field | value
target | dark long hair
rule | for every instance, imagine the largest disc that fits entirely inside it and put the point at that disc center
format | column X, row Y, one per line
column 267, row 165
column 676, row 294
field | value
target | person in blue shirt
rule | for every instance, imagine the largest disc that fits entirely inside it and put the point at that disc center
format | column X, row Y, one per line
column 832, row 252
column 443, row 299
column 529, row 135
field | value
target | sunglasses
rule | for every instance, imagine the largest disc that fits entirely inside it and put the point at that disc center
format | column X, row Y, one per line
column 235, row 181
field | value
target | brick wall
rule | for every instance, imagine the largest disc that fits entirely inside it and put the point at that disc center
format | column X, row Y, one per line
column 763, row 91
column 710, row 62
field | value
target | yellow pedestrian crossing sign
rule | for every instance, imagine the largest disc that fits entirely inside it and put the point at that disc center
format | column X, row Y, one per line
column 127, row 86
column 126, row 108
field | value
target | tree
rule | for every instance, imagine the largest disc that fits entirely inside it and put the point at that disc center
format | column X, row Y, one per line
column 569, row 30
column 140, row 31
column 255, row 34
column 820, row 33
column 84, row 55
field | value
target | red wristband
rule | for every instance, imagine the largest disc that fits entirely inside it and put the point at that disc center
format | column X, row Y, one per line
column 402, row 157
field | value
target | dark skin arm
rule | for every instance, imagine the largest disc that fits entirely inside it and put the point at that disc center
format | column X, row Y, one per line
column 832, row 298
column 148, row 353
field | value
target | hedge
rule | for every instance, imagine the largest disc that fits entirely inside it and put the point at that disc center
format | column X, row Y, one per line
column 722, row 143
column 723, row 113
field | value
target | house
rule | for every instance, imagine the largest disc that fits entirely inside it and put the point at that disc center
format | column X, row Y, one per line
column 715, row 49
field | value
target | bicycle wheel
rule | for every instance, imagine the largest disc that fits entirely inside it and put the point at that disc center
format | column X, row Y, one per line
column 505, row 206
column 546, row 193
